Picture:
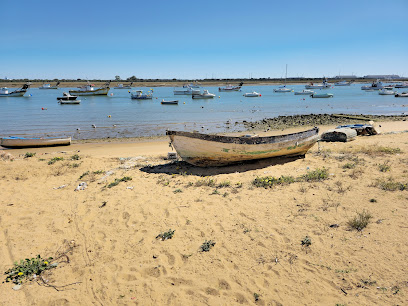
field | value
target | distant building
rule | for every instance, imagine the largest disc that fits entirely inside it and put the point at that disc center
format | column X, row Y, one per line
column 345, row 77
column 382, row 76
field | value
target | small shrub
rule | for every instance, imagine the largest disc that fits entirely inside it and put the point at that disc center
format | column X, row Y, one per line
column 54, row 160
column 83, row 175
column 75, row 157
column 384, row 167
column 256, row 296
column 117, row 181
column 205, row 182
column 360, row 221
column 390, row 185
column 178, row 191
column 29, row 154
column 75, row 165
column 27, row 268
column 270, row 181
column 207, row 245
column 166, row 235
column 99, row 172
column 306, row 241
column 349, row 166
column 224, row 184
column 315, row 175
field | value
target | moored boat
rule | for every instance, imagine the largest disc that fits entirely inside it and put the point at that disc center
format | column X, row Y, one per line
column 68, row 99
column 215, row 150
column 385, row 92
column 252, row 94
column 139, row 95
column 230, row 87
column 90, row 90
column 402, row 95
column 124, row 86
column 172, row 102
column 375, row 85
column 284, row 88
column 186, row 91
column 4, row 91
column 322, row 85
column 343, row 83
column 21, row 142
column 402, row 85
column 323, row 95
column 48, row 86
column 204, row 95
column 307, row 92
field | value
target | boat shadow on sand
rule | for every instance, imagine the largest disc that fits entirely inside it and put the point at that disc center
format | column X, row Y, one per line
column 182, row 167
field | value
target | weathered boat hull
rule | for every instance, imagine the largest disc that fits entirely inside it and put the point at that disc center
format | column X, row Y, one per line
column 96, row 92
column 213, row 150
column 18, row 142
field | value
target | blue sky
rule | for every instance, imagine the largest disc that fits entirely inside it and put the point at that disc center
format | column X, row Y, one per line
column 199, row 39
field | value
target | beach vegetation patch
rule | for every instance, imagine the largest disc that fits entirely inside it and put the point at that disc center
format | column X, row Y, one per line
column 384, row 167
column 83, row 175
column 75, row 157
column 390, row 185
column 306, row 242
column 380, row 150
column 178, row 191
column 349, row 166
column 54, row 160
column 29, row 154
column 28, row 269
column 315, row 175
column 205, row 182
column 99, row 172
column 117, row 181
column 270, row 181
column 360, row 221
column 166, row 235
column 207, row 245
column 224, row 184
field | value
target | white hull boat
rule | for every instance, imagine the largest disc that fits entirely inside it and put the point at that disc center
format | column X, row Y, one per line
column 4, row 92
column 343, row 83
column 374, row 86
column 21, row 142
column 90, row 90
column 282, row 89
column 402, row 95
column 230, row 88
column 252, row 94
column 139, row 95
column 402, row 85
column 305, row 92
column 324, row 95
column 318, row 86
column 386, row 92
column 48, row 86
column 215, row 150
column 123, row 86
column 204, row 95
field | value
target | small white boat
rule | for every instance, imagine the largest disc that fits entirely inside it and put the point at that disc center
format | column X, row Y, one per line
column 4, row 91
column 204, row 95
column 402, row 85
column 322, row 85
column 48, row 86
column 90, row 90
column 343, row 83
column 21, row 142
column 307, row 92
column 402, row 95
column 124, row 86
column 323, row 95
column 192, row 85
column 385, row 92
column 252, row 94
column 230, row 88
column 139, row 95
column 68, row 99
column 172, row 102
column 186, row 91
column 283, row 89
column 376, row 85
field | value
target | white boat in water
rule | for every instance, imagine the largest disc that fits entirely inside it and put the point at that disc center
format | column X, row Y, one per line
column 90, row 90
column 343, row 83
column 172, row 102
column 252, row 94
column 322, row 85
column 5, row 92
column 124, row 86
column 204, row 95
column 375, row 85
column 21, row 142
column 230, row 87
column 323, row 95
column 402, row 85
column 216, row 150
column 48, row 86
column 284, row 88
column 306, row 92
column 402, row 95
column 386, row 92
column 139, row 95
column 68, row 99
column 186, row 91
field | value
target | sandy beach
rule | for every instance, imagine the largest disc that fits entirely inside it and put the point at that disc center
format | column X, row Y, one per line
column 109, row 231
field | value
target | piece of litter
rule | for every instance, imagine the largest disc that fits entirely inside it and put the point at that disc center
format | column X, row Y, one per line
column 129, row 187
column 81, row 186
column 60, row 187
column 172, row 155
column 17, row 287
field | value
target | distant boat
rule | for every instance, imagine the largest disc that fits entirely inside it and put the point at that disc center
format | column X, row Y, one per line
column 231, row 88
column 252, row 94
column 215, row 150
column 284, row 88
column 322, row 85
column 172, row 102
column 402, row 95
column 48, row 86
column 124, row 86
column 307, row 92
column 375, row 85
column 192, row 85
column 4, row 92
column 68, row 99
column 21, row 142
column 385, row 92
column 204, row 95
column 343, row 83
column 139, row 95
column 90, row 90
column 402, row 85
column 323, row 95
column 186, row 91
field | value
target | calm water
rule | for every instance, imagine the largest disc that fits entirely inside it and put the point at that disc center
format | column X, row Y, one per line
column 24, row 116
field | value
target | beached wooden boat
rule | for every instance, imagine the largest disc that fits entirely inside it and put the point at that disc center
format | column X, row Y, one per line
column 215, row 150
column 21, row 142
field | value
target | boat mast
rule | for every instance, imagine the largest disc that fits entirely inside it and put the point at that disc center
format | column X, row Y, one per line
column 286, row 74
